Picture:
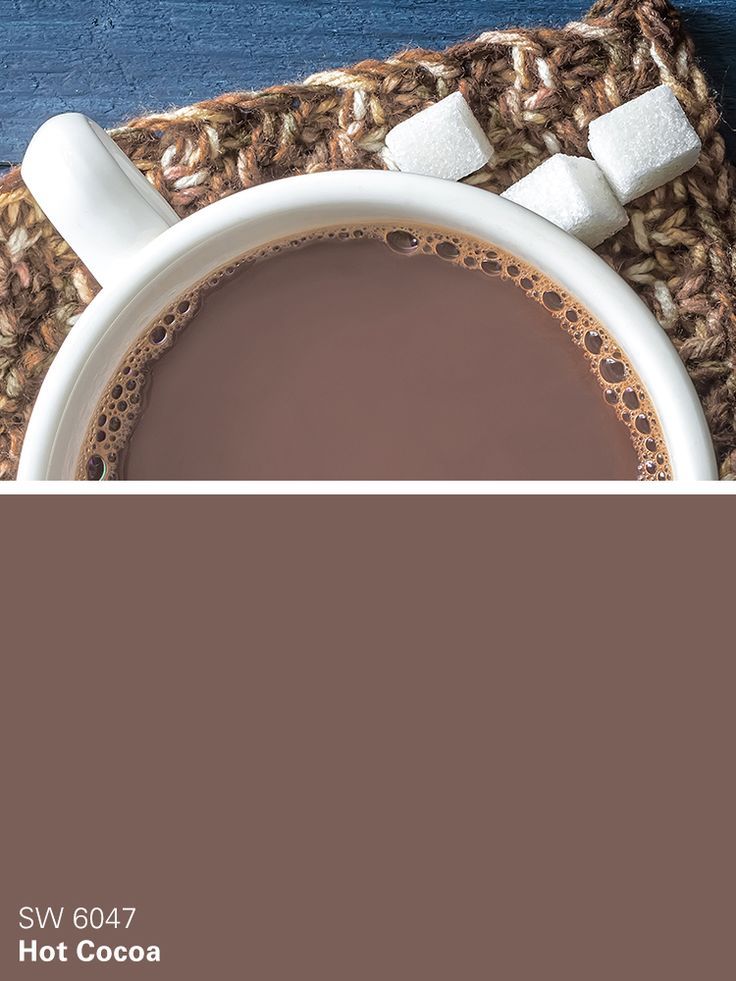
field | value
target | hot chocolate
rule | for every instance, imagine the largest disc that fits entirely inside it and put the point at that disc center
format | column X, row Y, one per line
column 375, row 353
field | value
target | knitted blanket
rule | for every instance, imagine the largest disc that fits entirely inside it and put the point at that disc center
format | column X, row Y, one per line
column 534, row 92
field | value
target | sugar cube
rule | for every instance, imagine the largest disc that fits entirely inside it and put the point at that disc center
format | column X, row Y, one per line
column 445, row 140
column 643, row 143
column 573, row 194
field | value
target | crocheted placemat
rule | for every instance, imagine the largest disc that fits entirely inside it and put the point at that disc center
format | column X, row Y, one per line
column 534, row 91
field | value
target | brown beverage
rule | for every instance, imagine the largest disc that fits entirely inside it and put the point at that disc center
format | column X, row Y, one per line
column 375, row 353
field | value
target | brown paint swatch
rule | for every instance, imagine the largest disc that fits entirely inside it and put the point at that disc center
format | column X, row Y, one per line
column 357, row 738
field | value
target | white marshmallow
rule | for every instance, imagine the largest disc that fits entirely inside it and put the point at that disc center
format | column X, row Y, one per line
column 643, row 143
column 573, row 194
column 445, row 140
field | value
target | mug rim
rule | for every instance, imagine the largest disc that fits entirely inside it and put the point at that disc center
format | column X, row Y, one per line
column 190, row 250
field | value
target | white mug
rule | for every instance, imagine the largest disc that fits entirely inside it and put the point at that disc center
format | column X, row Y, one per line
column 144, row 257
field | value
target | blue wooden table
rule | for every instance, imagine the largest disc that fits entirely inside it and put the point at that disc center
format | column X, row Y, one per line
column 114, row 58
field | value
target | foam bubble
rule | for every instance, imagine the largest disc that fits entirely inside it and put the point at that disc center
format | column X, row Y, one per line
column 402, row 242
column 447, row 250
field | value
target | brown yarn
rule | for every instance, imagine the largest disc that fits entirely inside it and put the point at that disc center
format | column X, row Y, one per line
column 534, row 91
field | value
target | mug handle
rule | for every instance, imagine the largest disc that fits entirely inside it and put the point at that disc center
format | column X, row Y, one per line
column 93, row 194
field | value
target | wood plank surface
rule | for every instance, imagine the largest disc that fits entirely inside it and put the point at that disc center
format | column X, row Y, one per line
column 115, row 58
